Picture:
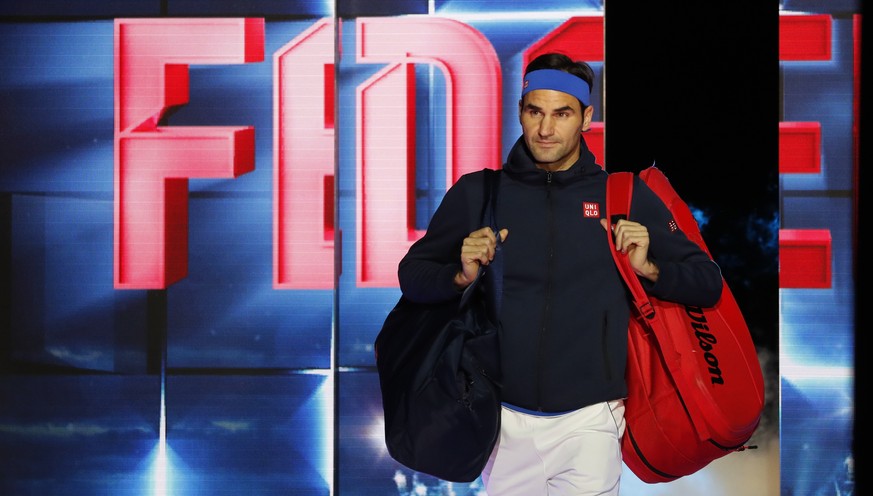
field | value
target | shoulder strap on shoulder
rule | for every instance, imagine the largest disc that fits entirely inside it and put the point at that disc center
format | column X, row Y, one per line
column 488, row 217
column 619, row 190
column 491, row 186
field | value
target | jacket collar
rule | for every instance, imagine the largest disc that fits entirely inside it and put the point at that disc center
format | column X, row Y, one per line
column 520, row 164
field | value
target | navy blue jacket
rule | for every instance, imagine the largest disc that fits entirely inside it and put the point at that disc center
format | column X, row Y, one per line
column 565, row 309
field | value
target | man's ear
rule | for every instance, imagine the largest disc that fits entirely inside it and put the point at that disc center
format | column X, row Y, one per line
column 587, row 115
column 520, row 100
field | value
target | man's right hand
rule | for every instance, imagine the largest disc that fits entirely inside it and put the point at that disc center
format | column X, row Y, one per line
column 478, row 249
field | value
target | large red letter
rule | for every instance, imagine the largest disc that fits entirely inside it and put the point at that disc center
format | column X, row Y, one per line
column 153, row 163
column 303, row 236
column 385, row 148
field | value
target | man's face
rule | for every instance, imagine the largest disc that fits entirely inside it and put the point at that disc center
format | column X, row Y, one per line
column 552, row 122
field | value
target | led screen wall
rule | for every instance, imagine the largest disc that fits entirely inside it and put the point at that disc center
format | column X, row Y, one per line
column 203, row 206
column 818, row 163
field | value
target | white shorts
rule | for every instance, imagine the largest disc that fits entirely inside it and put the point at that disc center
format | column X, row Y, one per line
column 576, row 453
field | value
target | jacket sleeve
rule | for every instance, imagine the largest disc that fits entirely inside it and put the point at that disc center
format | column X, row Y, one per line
column 687, row 273
column 427, row 271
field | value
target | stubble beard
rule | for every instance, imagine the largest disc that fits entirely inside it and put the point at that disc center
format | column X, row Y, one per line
column 547, row 158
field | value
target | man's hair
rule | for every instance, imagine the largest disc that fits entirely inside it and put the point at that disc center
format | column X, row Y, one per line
column 564, row 63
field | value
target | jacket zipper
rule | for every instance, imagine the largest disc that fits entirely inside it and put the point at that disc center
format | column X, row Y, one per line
column 548, row 302
column 607, row 363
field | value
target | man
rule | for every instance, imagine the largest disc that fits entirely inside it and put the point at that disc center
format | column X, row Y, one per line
column 565, row 311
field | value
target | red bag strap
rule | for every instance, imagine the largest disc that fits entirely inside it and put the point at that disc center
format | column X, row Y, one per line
column 619, row 190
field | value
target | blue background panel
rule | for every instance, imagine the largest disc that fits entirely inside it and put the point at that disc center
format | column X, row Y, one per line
column 249, row 434
column 97, row 435
column 64, row 311
column 56, row 91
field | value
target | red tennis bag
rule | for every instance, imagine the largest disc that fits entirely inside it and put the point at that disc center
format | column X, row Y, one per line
column 695, row 386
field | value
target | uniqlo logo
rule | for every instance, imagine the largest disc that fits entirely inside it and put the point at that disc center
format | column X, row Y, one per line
column 591, row 209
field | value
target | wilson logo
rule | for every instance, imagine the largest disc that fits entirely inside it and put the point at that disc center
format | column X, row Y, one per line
column 706, row 340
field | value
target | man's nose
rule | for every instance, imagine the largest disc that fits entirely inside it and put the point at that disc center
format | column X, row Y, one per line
column 547, row 126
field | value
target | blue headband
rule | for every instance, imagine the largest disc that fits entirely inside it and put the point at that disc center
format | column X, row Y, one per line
column 553, row 79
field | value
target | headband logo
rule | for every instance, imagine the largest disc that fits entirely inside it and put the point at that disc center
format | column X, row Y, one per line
column 526, row 82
